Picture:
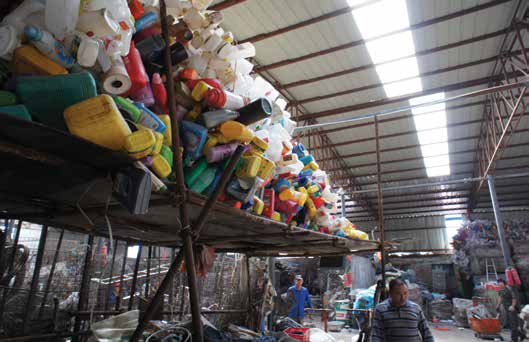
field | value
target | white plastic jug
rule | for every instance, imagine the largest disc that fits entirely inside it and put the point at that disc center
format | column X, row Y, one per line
column 17, row 18
column 100, row 23
column 233, row 52
column 61, row 17
column 8, row 41
column 194, row 19
column 201, row 4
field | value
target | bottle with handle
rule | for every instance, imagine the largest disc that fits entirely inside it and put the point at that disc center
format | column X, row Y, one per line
column 49, row 46
column 214, row 118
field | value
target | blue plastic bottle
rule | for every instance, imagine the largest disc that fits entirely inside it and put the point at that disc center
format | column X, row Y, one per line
column 149, row 119
column 145, row 21
column 300, row 150
column 194, row 137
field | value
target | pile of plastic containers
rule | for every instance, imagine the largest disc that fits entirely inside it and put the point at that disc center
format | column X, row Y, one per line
column 95, row 68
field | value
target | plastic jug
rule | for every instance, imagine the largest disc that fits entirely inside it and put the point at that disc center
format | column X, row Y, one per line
column 160, row 166
column 266, row 169
column 258, row 147
column 61, row 16
column 160, row 93
column 8, row 41
column 49, row 46
column 135, row 69
column 17, row 17
column 140, row 141
column 127, row 108
column 212, row 119
column 46, row 97
column 157, row 148
column 194, row 137
column 191, row 175
column 28, row 60
column 82, row 48
column 233, row 130
column 205, row 178
column 167, row 154
column 224, row 99
column 257, row 110
column 218, row 153
column 98, row 120
column 248, row 166
column 231, row 52
column 18, row 111
column 167, row 134
column 194, row 19
column 149, row 119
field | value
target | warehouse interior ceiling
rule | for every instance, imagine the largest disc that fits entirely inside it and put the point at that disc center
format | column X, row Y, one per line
column 336, row 60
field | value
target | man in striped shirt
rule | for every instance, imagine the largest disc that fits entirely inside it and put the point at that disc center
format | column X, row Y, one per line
column 398, row 320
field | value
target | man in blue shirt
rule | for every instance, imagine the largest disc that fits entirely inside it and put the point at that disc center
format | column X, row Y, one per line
column 300, row 296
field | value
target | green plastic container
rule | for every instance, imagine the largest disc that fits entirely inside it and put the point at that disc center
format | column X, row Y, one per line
column 128, row 107
column 7, row 98
column 46, row 97
column 19, row 111
column 192, row 174
column 167, row 154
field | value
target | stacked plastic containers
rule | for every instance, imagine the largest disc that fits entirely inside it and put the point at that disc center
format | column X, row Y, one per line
column 96, row 70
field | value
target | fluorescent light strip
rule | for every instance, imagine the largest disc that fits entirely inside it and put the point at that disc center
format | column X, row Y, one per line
column 402, row 76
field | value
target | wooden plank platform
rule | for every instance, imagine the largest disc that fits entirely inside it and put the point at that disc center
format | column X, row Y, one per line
column 51, row 177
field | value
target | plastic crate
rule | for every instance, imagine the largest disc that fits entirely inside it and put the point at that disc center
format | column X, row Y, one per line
column 300, row 334
column 485, row 325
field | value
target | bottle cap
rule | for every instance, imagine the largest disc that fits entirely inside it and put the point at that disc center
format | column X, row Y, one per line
column 32, row 32
column 215, row 98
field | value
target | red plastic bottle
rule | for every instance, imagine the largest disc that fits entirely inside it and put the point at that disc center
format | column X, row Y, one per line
column 160, row 94
column 135, row 69
column 136, row 9
column 218, row 98
column 269, row 205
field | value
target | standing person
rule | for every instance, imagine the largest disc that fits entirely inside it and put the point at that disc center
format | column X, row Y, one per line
column 509, row 299
column 398, row 320
column 300, row 296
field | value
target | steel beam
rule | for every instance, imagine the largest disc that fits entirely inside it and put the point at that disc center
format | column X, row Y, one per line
column 380, row 206
column 499, row 223
column 349, row 45
column 225, row 4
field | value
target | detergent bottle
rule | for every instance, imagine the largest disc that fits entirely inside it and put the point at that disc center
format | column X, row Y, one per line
column 127, row 108
column 221, row 152
column 144, row 95
column 233, row 130
column 194, row 137
column 135, row 69
column 149, row 119
column 212, row 119
column 49, row 46
column 160, row 93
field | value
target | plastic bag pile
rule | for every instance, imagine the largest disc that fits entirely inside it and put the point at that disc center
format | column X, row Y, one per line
column 96, row 69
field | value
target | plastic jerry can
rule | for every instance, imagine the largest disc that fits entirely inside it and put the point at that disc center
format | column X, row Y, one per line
column 18, row 111
column 167, row 134
column 98, row 120
column 127, row 108
column 258, row 146
column 157, row 147
column 248, row 166
column 266, row 168
column 200, row 90
column 167, row 154
column 7, row 98
column 258, row 206
column 194, row 137
column 46, row 97
column 192, row 174
column 160, row 166
column 140, row 142
column 28, row 60
column 234, row 130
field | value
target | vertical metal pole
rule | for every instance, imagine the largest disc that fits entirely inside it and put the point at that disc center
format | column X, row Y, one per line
column 35, row 279
column 135, row 278
column 52, row 270
column 343, row 204
column 499, row 222
column 380, row 205
column 271, row 270
column 110, row 284
column 85, row 286
column 123, row 265
column 11, row 265
column 248, row 284
column 148, row 280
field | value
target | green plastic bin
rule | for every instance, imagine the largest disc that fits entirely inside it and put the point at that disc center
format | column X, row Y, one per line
column 19, row 111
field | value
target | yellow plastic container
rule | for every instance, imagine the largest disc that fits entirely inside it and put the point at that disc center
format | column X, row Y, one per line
column 221, row 139
column 234, row 130
column 299, row 197
column 311, row 208
column 98, row 120
column 266, row 168
column 276, row 216
column 193, row 114
column 199, row 91
column 313, row 189
column 358, row 234
column 167, row 134
column 158, row 144
column 28, row 60
column 211, row 142
column 312, row 165
column 140, row 141
column 248, row 167
column 258, row 206
column 160, row 166
column 258, row 146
